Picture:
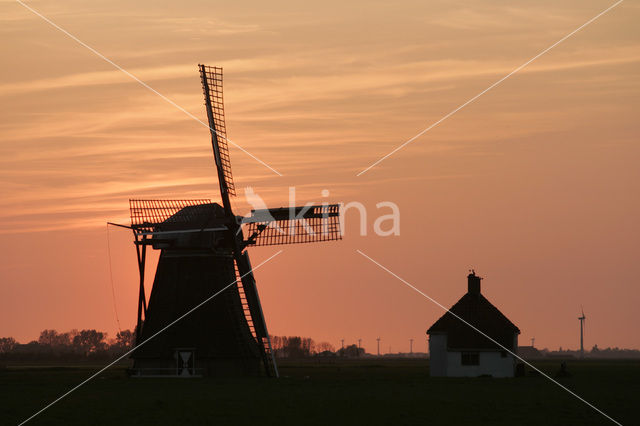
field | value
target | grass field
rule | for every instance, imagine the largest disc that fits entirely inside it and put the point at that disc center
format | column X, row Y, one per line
column 360, row 392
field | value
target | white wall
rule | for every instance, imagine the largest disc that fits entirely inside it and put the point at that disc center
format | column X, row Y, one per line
column 491, row 363
column 438, row 355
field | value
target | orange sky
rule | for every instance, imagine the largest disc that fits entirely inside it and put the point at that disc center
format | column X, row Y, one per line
column 535, row 184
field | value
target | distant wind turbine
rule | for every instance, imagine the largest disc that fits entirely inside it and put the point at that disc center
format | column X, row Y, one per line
column 582, row 320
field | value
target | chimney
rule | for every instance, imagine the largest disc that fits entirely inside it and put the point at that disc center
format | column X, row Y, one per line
column 473, row 283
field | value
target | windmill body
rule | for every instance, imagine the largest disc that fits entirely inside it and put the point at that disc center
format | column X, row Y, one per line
column 203, row 253
column 191, row 267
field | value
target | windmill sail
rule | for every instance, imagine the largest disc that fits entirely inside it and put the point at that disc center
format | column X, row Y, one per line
column 253, row 313
column 214, row 101
column 294, row 225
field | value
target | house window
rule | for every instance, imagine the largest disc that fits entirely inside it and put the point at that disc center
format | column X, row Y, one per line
column 470, row 358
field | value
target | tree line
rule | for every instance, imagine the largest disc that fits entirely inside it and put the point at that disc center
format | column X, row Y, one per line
column 595, row 352
column 91, row 344
column 303, row 347
column 70, row 345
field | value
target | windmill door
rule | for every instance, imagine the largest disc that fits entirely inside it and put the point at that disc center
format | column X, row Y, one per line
column 185, row 362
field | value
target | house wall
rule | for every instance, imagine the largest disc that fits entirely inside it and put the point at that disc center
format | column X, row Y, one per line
column 491, row 363
column 438, row 355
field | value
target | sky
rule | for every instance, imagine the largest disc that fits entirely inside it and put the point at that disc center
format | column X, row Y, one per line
column 534, row 185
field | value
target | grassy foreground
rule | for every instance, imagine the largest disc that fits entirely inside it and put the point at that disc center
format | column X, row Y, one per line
column 364, row 392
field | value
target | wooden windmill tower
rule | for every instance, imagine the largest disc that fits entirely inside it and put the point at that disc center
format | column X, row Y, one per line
column 203, row 250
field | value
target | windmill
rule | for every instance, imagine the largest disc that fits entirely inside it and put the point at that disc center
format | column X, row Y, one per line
column 582, row 320
column 202, row 251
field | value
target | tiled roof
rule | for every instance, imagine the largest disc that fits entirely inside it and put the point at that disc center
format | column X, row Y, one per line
column 479, row 312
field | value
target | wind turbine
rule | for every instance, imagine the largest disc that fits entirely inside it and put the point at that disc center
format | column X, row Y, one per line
column 582, row 321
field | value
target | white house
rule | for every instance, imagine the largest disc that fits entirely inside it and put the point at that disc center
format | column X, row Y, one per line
column 457, row 350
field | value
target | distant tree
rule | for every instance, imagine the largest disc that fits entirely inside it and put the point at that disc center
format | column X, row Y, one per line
column 52, row 338
column 64, row 339
column 124, row 340
column 308, row 346
column 47, row 337
column 7, row 344
column 89, row 341
column 292, row 346
column 351, row 351
column 325, row 347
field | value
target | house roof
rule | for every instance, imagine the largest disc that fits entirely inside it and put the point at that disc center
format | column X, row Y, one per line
column 529, row 352
column 475, row 309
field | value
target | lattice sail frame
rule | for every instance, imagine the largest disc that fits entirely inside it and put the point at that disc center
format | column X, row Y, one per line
column 213, row 78
column 147, row 215
column 293, row 225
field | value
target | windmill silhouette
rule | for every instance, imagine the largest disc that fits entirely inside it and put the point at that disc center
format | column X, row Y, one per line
column 582, row 320
column 203, row 250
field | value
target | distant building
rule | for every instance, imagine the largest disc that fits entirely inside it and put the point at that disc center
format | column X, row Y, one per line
column 529, row 352
column 457, row 350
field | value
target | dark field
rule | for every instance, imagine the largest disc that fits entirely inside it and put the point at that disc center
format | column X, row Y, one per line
column 320, row 393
